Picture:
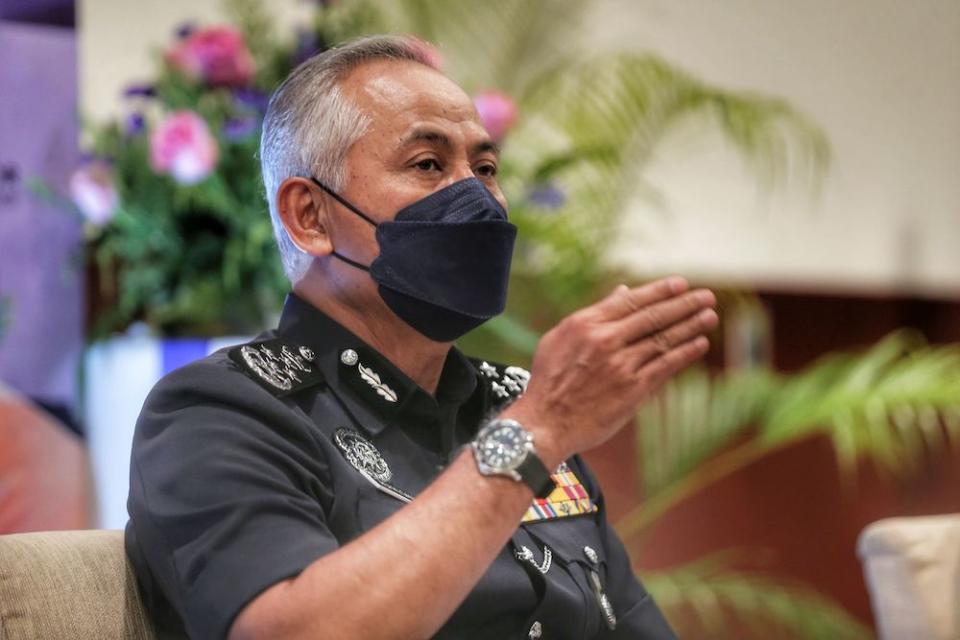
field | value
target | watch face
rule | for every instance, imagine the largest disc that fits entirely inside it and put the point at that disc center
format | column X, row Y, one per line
column 503, row 447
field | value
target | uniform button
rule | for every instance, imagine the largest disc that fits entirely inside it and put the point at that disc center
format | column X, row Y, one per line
column 536, row 630
column 349, row 357
column 591, row 555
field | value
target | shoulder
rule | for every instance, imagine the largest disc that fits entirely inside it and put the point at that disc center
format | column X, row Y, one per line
column 216, row 404
column 255, row 374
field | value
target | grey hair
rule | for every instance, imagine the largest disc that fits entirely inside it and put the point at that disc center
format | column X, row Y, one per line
column 310, row 125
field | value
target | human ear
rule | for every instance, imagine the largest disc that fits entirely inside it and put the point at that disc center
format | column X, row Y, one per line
column 304, row 216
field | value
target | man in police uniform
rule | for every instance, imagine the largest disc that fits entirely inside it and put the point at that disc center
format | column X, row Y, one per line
column 351, row 474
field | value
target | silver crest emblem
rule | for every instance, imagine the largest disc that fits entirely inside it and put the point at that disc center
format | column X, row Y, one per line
column 279, row 370
column 362, row 455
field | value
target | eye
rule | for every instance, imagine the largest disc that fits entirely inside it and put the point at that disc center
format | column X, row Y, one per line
column 428, row 164
column 487, row 170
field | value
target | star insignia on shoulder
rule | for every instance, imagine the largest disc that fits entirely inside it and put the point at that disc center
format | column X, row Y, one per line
column 488, row 369
column 507, row 383
column 280, row 366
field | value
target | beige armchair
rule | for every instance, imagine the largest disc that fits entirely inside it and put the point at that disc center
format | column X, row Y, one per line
column 69, row 585
column 912, row 570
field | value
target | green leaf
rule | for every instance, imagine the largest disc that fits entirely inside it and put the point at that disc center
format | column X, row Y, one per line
column 895, row 405
column 886, row 404
column 706, row 599
column 693, row 418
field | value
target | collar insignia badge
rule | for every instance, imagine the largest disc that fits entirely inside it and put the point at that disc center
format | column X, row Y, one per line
column 350, row 357
column 372, row 379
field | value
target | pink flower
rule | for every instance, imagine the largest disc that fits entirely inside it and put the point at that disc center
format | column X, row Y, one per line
column 92, row 190
column 183, row 147
column 497, row 112
column 217, row 56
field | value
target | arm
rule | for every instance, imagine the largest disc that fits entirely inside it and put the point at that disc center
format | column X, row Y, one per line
column 417, row 566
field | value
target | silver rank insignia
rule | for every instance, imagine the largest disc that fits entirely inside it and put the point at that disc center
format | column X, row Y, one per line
column 277, row 365
column 365, row 458
column 506, row 386
column 488, row 370
column 349, row 357
column 515, row 379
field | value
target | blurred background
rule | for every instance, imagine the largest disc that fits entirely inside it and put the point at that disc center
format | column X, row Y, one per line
column 799, row 158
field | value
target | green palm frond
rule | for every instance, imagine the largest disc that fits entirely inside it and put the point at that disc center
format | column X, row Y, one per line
column 892, row 404
column 895, row 405
column 695, row 417
column 597, row 122
column 707, row 600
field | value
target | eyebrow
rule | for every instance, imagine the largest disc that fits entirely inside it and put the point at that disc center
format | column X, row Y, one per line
column 440, row 139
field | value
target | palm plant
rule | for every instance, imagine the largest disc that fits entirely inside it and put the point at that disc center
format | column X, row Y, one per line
column 895, row 405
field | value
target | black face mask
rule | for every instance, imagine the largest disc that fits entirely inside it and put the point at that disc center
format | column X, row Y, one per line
column 444, row 261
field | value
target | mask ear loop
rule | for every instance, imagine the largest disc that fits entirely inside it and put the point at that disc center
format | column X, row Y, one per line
column 348, row 205
column 344, row 201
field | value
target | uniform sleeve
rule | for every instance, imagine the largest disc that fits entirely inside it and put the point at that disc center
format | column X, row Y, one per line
column 638, row 616
column 227, row 494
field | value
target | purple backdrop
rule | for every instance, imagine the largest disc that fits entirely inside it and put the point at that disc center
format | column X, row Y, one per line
column 39, row 272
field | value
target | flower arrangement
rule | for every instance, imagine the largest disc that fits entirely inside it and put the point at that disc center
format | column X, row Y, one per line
column 178, row 235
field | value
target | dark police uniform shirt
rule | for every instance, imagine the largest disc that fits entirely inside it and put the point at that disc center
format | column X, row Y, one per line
column 252, row 463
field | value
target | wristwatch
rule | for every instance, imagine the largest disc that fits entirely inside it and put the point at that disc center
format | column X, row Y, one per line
column 505, row 448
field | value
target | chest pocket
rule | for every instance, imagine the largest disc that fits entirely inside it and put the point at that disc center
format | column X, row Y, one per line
column 576, row 543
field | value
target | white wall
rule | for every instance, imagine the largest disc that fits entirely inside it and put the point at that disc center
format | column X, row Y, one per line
column 881, row 76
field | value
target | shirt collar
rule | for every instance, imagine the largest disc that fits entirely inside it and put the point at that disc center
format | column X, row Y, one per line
column 373, row 385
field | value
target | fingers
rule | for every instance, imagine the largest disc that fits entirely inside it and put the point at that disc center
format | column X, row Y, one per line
column 658, row 370
column 661, row 342
column 655, row 318
column 624, row 300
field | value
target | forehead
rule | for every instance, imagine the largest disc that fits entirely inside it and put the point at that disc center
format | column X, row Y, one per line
column 399, row 95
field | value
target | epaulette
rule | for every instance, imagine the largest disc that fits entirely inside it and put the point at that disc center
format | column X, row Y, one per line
column 280, row 366
column 507, row 383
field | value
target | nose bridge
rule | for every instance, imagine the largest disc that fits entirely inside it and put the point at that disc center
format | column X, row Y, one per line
column 461, row 171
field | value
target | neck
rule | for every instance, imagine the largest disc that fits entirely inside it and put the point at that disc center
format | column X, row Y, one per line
column 418, row 357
